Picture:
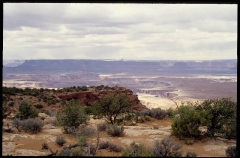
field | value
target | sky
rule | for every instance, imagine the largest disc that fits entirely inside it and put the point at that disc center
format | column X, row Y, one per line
column 119, row 31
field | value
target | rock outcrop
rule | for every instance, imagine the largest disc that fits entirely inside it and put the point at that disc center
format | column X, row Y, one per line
column 89, row 97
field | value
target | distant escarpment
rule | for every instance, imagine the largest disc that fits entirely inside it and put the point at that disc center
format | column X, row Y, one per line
column 89, row 97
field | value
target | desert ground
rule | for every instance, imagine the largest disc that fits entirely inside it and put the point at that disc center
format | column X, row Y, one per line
column 22, row 144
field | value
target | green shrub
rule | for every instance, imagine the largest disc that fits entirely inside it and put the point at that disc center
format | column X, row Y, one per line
column 191, row 154
column 32, row 125
column 115, row 131
column 103, row 145
column 129, row 117
column 171, row 112
column 141, row 120
column 222, row 117
column 114, row 147
column 60, row 140
column 38, row 106
column 231, row 151
column 112, row 106
column 73, row 115
column 187, row 125
column 136, row 150
column 88, row 110
column 26, row 111
column 167, row 148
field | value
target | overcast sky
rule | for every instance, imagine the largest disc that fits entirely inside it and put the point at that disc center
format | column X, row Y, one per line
column 119, row 31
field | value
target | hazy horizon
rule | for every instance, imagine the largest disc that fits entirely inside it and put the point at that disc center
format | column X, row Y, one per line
column 119, row 31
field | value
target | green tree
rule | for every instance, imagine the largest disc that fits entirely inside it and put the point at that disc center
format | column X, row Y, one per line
column 222, row 117
column 26, row 111
column 73, row 115
column 188, row 122
column 111, row 107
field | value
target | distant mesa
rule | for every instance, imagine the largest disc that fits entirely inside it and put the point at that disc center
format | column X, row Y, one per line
column 180, row 65
column 234, row 68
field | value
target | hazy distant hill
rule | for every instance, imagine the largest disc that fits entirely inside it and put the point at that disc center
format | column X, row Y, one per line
column 102, row 66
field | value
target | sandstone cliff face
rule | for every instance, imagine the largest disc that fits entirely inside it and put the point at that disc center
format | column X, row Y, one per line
column 89, row 97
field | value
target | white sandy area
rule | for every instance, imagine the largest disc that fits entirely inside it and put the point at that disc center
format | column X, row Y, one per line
column 150, row 101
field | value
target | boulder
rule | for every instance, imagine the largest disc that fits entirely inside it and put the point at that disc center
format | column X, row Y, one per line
column 50, row 120
column 43, row 115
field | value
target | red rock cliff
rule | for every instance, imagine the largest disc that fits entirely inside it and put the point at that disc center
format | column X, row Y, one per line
column 88, row 97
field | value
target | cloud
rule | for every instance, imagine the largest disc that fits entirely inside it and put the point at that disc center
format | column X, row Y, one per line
column 129, row 31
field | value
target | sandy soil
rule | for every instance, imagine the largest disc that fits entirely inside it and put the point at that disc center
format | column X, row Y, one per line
column 22, row 144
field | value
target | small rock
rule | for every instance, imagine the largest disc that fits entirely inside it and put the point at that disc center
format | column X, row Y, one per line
column 43, row 115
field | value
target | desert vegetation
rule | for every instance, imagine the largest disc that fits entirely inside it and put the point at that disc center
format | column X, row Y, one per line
column 217, row 115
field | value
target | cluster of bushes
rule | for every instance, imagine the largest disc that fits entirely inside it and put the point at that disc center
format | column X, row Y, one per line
column 102, row 87
column 71, row 152
column 73, row 89
column 218, row 115
column 164, row 148
column 110, row 146
column 26, row 111
column 231, row 151
column 32, row 125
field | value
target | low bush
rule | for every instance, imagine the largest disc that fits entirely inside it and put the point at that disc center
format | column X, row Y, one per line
column 38, row 106
column 155, row 113
column 189, row 141
column 231, row 151
column 70, row 130
column 167, row 148
column 115, row 131
column 32, row 125
column 158, row 113
column 191, row 154
column 147, row 118
column 136, row 150
column 145, row 112
column 11, row 103
column 102, row 127
column 17, row 124
column 141, row 120
column 114, row 147
column 85, row 131
column 60, row 140
column 103, row 145
column 72, row 152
